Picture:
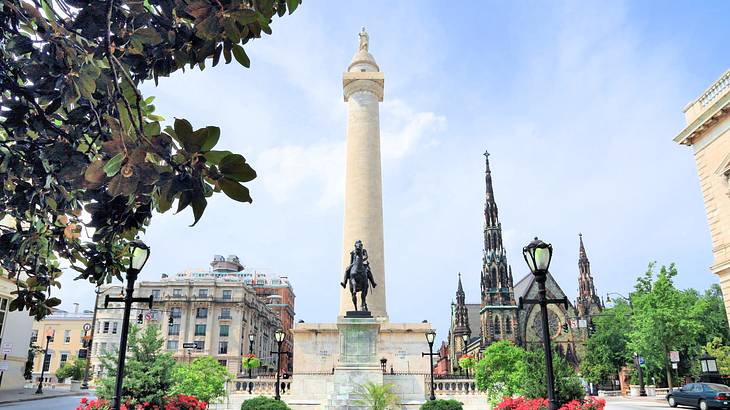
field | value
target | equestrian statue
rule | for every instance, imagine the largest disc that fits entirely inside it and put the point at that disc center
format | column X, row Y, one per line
column 358, row 275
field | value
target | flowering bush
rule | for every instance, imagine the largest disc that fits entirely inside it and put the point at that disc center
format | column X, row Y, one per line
column 467, row 361
column 250, row 361
column 520, row 403
column 184, row 402
column 98, row 404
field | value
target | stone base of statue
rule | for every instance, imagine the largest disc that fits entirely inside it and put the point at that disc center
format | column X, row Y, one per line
column 332, row 362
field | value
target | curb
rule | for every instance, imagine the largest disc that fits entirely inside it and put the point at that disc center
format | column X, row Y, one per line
column 41, row 397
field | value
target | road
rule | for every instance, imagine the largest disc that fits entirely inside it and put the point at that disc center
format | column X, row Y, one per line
column 55, row 403
column 628, row 404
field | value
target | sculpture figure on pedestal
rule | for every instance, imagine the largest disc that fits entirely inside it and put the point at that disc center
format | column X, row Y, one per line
column 358, row 275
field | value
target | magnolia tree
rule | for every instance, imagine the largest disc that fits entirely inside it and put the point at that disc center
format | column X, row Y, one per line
column 82, row 149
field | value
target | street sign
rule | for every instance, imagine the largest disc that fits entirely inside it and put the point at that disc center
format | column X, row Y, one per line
column 7, row 348
column 674, row 356
column 87, row 327
column 82, row 353
column 674, row 365
column 582, row 323
column 4, row 365
column 190, row 345
column 641, row 360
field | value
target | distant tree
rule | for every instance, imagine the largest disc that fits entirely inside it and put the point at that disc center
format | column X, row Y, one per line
column 606, row 350
column 204, row 378
column 76, row 133
column 147, row 370
column 501, row 371
column 567, row 384
column 721, row 352
column 710, row 312
column 74, row 370
column 664, row 319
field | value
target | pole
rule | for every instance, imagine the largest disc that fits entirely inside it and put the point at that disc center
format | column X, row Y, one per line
column 553, row 404
column 430, row 356
column 278, row 366
column 131, row 278
column 85, row 384
column 637, row 360
column 250, row 352
column 467, row 369
column 2, row 373
column 43, row 366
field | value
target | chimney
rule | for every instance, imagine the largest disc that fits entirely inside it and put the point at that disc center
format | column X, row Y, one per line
column 76, row 308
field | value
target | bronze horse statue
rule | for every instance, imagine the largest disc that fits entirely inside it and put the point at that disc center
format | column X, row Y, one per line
column 358, row 275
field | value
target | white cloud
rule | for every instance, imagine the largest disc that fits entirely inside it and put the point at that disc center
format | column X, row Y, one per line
column 404, row 129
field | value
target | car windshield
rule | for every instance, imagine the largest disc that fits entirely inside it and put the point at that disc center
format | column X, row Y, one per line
column 718, row 387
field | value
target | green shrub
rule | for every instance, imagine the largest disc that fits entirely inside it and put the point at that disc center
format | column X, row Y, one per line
column 442, row 405
column 73, row 370
column 264, row 403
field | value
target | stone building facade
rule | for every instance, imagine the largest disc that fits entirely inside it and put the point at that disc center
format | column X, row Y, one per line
column 217, row 311
column 65, row 344
column 497, row 316
column 708, row 133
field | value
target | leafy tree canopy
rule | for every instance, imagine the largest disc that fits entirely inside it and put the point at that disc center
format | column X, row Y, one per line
column 501, row 371
column 147, row 370
column 607, row 349
column 204, row 378
column 80, row 146
column 567, row 384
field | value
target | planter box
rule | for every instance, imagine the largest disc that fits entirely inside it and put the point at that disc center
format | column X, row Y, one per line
column 634, row 390
column 75, row 385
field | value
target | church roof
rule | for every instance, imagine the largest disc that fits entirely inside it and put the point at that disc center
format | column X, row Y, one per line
column 523, row 286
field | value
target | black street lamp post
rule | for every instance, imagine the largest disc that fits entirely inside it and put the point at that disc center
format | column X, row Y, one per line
column 140, row 252
column 279, row 337
column 465, row 339
column 538, row 255
column 637, row 363
column 430, row 338
column 251, row 337
column 49, row 335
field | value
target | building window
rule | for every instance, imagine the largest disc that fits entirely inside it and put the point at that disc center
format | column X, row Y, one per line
column 34, row 336
column 114, row 328
column 225, row 313
column 106, row 327
column 155, row 294
column 222, row 347
column 202, row 293
column 200, row 344
column 64, row 358
column 66, row 336
column 175, row 313
column 199, row 330
column 177, row 293
column 497, row 329
column 223, row 330
column 47, row 362
column 172, row 345
column 226, row 295
column 223, row 363
column 201, row 313
column 174, row 330
column 508, row 326
column 102, row 347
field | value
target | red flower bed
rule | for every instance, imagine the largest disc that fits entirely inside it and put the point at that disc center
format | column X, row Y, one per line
column 520, row 403
column 179, row 402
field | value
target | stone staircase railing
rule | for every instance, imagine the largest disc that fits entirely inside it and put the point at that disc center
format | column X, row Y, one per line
column 259, row 386
column 453, row 386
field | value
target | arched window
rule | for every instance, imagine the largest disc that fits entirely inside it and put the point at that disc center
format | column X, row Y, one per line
column 508, row 326
column 494, row 278
column 497, row 327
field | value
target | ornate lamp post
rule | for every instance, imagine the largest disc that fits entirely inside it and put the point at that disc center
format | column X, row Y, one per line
column 140, row 252
column 708, row 364
column 430, row 338
column 465, row 339
column 538, row 255
column 279, row 337
column 251, row 338
column 49, row 335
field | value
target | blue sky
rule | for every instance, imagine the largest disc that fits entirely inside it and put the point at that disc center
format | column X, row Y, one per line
column 577, row 102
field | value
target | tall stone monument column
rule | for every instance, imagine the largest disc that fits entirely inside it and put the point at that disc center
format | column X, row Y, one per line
column 363, row 91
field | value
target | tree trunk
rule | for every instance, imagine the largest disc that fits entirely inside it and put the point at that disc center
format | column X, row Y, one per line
column 668, row 367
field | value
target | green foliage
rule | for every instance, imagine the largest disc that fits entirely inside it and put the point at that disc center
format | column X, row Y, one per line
column 147, row 371
column 204, row 378
column 440, row 404
column 250, row 361
column 377, row 396
column 607, row 349
column 77, row 134
column 264, row 403
column 567, row 384
column 721, row 352
column 501, row 371
column 74, row 370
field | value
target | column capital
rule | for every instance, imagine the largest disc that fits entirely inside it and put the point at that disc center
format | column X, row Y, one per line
column 368, row 81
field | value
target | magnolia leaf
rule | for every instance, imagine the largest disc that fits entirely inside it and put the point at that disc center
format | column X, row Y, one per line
column 235, row 167
column 211, row 139
column 240, row 54
column 216, row 156
column 114, row 165
column 292, row 5
column 199, row 203
column 234, row 190
column 94, row 174
column 147, row 35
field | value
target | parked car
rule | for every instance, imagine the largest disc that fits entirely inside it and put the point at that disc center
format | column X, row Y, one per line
column 701, row 395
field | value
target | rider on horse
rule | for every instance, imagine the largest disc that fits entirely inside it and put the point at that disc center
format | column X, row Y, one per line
column 358, row 265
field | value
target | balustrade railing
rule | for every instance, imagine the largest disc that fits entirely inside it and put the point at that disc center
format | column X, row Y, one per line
column 259, row 386
column 715, row 90
column 453, row 386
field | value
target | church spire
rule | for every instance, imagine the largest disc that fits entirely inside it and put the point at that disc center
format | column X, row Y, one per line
column 588, row 301
column 488, row 178
column 461, row 315
column 492, row 227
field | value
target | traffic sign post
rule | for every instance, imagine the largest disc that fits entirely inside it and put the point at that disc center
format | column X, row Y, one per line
column 191, row 345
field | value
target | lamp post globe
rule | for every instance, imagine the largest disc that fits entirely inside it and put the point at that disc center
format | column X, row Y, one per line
column 279, row 335
column 251, row 337
column 430, row 337
column 465, row 339
column 538, row 255
column 140, row 252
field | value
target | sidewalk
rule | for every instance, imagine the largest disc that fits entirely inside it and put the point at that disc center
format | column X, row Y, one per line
column 28, row 394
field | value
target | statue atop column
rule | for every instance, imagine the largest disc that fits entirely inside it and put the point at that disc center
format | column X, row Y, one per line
column 364, row 40
column 358, row 274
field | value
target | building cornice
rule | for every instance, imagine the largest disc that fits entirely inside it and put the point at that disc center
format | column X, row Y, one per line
column 712, row 112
